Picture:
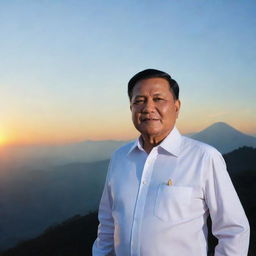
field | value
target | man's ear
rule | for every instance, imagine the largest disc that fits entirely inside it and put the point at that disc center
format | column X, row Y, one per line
column 177, row 107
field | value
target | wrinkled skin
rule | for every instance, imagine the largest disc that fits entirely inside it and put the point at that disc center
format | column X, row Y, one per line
column 154, row 110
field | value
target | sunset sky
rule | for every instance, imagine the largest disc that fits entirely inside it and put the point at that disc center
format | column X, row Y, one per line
column 64, row 65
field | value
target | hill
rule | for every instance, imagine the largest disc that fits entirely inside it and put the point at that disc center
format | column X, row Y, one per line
column 16, row 159
column 37, row 199
column 76, row 235
column 243, row 158
column 224, row 137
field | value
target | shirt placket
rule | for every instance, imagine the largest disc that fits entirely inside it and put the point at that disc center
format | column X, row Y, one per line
column 140, row 203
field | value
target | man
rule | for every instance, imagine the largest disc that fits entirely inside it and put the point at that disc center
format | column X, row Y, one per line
column 161, row 188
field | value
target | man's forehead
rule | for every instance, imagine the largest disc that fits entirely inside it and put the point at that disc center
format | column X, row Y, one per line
column 143, row 95
column 151, row 86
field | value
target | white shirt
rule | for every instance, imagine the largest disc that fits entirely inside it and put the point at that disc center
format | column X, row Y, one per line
column 157, row 204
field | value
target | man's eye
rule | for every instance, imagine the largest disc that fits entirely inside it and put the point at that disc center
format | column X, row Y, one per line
column 138, row 101
column 158, row 99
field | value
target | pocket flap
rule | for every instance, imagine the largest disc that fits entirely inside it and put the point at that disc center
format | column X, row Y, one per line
column 172, row 202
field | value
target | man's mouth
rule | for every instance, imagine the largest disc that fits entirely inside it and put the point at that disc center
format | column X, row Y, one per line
column 149, row 119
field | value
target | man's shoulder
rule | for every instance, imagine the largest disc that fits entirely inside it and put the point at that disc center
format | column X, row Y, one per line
column 199, row 147
column 124, row 149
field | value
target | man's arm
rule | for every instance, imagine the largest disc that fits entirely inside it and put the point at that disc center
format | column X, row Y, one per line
column 229, row 223
column 104, row 244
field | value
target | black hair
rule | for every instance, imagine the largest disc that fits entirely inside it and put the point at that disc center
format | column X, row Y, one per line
column 153, row 73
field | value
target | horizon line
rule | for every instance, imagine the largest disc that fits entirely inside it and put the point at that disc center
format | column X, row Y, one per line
column 70, row 142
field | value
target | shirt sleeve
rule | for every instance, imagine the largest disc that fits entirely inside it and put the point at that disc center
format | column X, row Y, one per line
column 229, row 223
column 104, row 244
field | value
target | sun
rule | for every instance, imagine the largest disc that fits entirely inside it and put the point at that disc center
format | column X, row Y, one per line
column 2, row 140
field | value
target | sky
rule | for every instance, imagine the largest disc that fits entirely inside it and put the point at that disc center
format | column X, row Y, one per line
column 65, row 65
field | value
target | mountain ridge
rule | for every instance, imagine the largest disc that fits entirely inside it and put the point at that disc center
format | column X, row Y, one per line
column 224, row 137
column 76, row 235
column 220, row 135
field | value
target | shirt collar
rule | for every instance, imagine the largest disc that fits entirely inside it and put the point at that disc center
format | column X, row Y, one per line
column 136, row 144
column 170, row 144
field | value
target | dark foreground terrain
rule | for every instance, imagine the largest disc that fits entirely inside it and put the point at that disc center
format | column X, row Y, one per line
column 75, row 236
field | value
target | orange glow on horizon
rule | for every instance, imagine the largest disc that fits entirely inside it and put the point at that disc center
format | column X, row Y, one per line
column 124, row 131
column 3, row 140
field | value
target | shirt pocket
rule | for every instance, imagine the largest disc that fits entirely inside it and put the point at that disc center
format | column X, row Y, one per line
column 172, row 202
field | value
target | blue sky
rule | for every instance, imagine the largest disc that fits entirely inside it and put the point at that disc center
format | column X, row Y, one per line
column 65, row 64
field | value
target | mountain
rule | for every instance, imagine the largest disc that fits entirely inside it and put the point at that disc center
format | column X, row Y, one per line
column 76, row 235
column 15, row 159
column 35, row 200
column 243, row 158
column 72, row 237
column 40, row 193
column 224, row 137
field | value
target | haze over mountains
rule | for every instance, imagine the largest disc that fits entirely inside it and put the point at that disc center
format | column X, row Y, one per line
column 220, row 135
column 45, row 198
column 15, row 159
column 35, row 200
column 51, row 183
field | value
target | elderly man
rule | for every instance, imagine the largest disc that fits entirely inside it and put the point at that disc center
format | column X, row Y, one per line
column 161, row 188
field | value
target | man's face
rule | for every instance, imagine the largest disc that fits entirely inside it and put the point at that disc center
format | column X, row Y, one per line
column 154, row 109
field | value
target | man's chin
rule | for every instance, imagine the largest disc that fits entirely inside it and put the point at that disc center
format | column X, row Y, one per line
column 150, row 132
column 153, row 132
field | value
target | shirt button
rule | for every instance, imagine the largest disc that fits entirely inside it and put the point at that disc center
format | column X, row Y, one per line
column 144, row 182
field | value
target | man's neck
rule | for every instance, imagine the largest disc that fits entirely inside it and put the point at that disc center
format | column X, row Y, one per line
column 150, row 142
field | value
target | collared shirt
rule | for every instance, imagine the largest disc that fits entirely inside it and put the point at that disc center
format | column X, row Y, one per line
column 157, row 204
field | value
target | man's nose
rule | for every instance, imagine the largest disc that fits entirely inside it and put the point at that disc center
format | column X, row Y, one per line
column 149, row 106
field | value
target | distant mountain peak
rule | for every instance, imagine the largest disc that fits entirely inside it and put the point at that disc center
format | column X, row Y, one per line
column 224, row 137
column 220, row 126
column 220, row 122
